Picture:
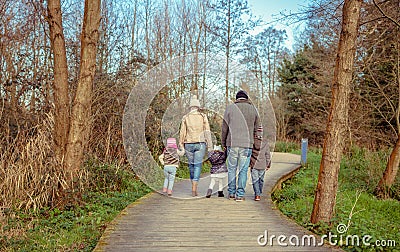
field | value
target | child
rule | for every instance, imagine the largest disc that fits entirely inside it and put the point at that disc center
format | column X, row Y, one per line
column 170, row 159
column 260, row 162
column 219, row 171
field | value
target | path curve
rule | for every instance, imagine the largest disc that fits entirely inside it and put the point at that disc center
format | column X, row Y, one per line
column 159, row 223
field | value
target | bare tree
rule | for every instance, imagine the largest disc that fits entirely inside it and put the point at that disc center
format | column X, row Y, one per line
column 81, row 110
column 388, row 85
column 325, row 195
column 60, row 86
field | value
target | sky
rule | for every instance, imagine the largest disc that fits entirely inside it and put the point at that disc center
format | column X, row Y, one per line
column 269, row 10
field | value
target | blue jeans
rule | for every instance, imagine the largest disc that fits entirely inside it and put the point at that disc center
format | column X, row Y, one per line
column 257, row 177
column 238, row 160
column 169, row 173
column 195, row 153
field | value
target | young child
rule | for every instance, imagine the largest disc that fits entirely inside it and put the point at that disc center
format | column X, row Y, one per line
column 170, row 160
column 219, row 171
column 260, row 162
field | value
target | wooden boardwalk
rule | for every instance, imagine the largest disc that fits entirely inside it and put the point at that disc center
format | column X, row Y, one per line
column 160, row 223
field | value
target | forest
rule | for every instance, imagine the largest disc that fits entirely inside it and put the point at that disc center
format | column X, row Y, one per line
column 67, row 69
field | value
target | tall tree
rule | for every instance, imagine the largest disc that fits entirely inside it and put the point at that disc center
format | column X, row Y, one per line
column 325, row 194
column 383, row 72
column 60, row 85
column 72, row 130
column 81, row 109
column 230, row 27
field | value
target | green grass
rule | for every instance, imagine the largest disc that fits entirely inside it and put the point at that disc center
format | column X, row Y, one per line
column 281, row 146
column 77, row 228
column 360, row 171
column 183, row 170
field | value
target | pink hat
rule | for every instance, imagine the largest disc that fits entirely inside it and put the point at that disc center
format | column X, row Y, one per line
column 171, row 143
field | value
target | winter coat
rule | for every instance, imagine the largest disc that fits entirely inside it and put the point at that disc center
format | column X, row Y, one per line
column 260, row 156
column 195, row 128
column 240, row 123
column 218, row 161
column 170, row 156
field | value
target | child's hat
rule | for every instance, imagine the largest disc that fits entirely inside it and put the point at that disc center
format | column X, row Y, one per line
column 217, row 148
column 171, row 143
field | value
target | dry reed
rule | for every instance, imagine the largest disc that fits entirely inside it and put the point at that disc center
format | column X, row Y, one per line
column 29, row 171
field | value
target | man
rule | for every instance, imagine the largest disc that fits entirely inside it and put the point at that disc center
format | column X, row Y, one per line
column 240, row 123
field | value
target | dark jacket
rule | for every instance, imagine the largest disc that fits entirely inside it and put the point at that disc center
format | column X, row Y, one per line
column 218, row 161
column 239, row 125
column 260, row 156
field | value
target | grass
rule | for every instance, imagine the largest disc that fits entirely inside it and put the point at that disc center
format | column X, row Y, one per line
column 78, row 228
column 356, row 206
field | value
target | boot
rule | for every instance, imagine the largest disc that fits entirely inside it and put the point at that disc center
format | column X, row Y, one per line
column 221, row 194
column 209, row 192
column 194, row 188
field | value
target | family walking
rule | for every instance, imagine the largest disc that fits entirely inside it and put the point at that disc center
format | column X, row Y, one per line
column 242, row 147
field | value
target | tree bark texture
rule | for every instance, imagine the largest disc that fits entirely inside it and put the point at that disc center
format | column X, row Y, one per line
column 325, row 195
column 81, row 110
column 389, row 175
column 60, row 85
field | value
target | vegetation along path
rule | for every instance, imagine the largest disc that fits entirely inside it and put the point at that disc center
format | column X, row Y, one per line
column 158, row 223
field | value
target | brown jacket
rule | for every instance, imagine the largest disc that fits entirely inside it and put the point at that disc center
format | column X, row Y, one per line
column 195, row 129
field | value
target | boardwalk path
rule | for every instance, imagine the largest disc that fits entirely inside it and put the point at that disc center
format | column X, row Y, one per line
column 158, row 223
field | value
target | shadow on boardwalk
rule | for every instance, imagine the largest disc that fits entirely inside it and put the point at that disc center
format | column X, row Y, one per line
column 159, row 223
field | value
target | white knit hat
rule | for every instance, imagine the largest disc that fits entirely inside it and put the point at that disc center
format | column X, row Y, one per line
column 217, row 148
column 194, row 102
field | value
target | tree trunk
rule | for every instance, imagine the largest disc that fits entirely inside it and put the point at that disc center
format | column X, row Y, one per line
column 81, row 110
column 325, row 195
column 60, row 85
column 392, row 167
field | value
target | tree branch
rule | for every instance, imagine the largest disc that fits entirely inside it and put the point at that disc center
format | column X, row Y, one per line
column 384, row 14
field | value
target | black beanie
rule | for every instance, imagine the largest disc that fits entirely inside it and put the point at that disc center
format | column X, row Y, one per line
column 242, row 94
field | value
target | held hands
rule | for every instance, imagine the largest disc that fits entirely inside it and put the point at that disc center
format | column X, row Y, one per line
column 181, row 151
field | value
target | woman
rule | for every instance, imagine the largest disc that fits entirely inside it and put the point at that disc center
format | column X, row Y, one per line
column 195, row 137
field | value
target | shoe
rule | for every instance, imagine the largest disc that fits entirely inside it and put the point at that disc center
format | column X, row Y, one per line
column 169, row 192
column 194, row 188
column 164, row 190
column 239, row 199
column 209, row 192
column 232, row 196
column 221, row 194
column 257, row 198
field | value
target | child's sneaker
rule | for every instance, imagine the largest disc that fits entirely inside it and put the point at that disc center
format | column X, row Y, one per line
column 239, row 199
column 257, row 198
column 164, row 190
column 169, row 192
column 221, row 194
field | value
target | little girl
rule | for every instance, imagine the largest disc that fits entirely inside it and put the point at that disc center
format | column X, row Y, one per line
column 170, row 159
column 219, row 171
